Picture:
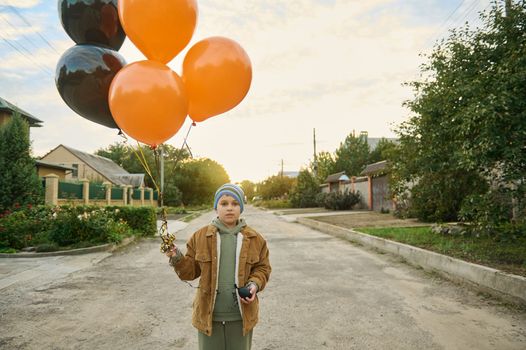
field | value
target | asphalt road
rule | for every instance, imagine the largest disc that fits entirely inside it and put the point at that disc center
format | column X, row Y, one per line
column 324, row 293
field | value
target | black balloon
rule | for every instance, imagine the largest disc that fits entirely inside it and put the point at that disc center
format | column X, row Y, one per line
column 92, row 22
column 83, row 77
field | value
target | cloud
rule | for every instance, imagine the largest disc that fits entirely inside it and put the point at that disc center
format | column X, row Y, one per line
column 336, row 66
column 22, row 3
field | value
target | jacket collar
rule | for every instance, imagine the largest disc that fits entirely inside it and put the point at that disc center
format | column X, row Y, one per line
column 245, row 231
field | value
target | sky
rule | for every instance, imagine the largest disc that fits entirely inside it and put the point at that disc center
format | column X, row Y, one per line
column 330, row 65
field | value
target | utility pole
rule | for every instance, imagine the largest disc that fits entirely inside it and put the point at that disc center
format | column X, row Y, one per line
column 282, row 168
column 507, row 7
column 162, row 175
column 315, row 166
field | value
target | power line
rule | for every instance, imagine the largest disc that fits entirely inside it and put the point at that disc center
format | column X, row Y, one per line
column 467, row 11
column 16, row 29
column 435, row 35
column 28, row 55
column 24, row 19
column 22, row 49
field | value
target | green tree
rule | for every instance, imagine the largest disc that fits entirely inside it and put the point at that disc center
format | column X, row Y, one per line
column 128, row 157
column 19, row 182
column 384, row 150
column 352, row 156
column 324, row 166
column 468, row 117
column 249, row 188
column 198, row 179
column 306, row 190
column 275, row 187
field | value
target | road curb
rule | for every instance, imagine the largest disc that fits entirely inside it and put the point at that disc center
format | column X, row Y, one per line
column 506, row 286
column 95, row 249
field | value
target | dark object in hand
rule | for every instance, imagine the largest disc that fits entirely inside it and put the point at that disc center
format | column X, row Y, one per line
column 244, row 292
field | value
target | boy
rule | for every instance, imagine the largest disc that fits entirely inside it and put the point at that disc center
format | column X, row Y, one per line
column 226, row 254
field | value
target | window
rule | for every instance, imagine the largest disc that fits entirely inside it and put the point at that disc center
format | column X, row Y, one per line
column 75, row 172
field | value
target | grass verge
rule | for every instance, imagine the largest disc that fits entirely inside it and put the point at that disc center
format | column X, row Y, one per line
column 508, row 256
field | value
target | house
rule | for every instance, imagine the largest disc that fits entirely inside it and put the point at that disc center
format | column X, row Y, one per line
column 7, row 110
column 373, row 141
column 335, row 182
column 92, row 167
column 372, row 185
column 46, row 168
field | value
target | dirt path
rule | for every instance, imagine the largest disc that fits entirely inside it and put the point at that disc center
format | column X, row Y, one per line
column 324, row 293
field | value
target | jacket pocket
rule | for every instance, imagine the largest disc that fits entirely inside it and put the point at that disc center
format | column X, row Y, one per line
column 205, row 265
column 252, row 259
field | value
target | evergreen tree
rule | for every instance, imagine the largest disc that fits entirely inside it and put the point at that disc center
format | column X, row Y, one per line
column 352, row 155
column 19, row 182
column 306, row 190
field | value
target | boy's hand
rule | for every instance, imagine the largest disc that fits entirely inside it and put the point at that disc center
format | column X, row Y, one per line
column 172, row 251
column 253, row 291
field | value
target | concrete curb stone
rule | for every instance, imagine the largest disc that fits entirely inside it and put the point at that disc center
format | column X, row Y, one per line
column 506, row 286
column 99, row 248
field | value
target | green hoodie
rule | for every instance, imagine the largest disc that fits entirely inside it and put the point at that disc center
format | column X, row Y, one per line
column 226, row 307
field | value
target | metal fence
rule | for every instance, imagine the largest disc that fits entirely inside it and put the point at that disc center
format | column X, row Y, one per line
column 69, row 190
column 116, row 193
column 97, row 191
column 136, row 194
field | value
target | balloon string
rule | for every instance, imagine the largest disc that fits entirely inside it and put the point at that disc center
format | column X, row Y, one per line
column 147, row 167
column 167, row 238
column 184, row 144
column 187, row 133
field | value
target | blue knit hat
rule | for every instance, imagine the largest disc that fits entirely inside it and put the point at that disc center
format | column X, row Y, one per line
column 230, row 190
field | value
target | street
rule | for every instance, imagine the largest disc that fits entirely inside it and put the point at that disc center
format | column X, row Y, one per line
column 324, row 293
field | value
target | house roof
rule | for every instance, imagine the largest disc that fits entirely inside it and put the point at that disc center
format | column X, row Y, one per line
column 337, row 177
column 53, row 165
column 375, row 168
column 106, row 167
column 8, row 107
column 136, row 180
column 373, row 141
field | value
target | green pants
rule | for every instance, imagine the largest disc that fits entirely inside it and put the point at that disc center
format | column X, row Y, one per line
column 225, row 336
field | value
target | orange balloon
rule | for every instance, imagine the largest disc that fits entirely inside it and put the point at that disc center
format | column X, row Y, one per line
column 160, row 29
column 217, row 74
column 148, row 101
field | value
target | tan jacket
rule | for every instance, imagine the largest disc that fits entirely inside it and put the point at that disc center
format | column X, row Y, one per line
column 201, row 260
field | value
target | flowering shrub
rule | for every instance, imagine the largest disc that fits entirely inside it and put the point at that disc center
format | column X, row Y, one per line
column 67, row 226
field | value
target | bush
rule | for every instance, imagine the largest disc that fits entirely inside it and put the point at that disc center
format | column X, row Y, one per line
column 338, row 200
column 67, row 226
column 7, row 250
column 491, row 214
column 142, row 220
column 20, row 229
column 304, row 193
